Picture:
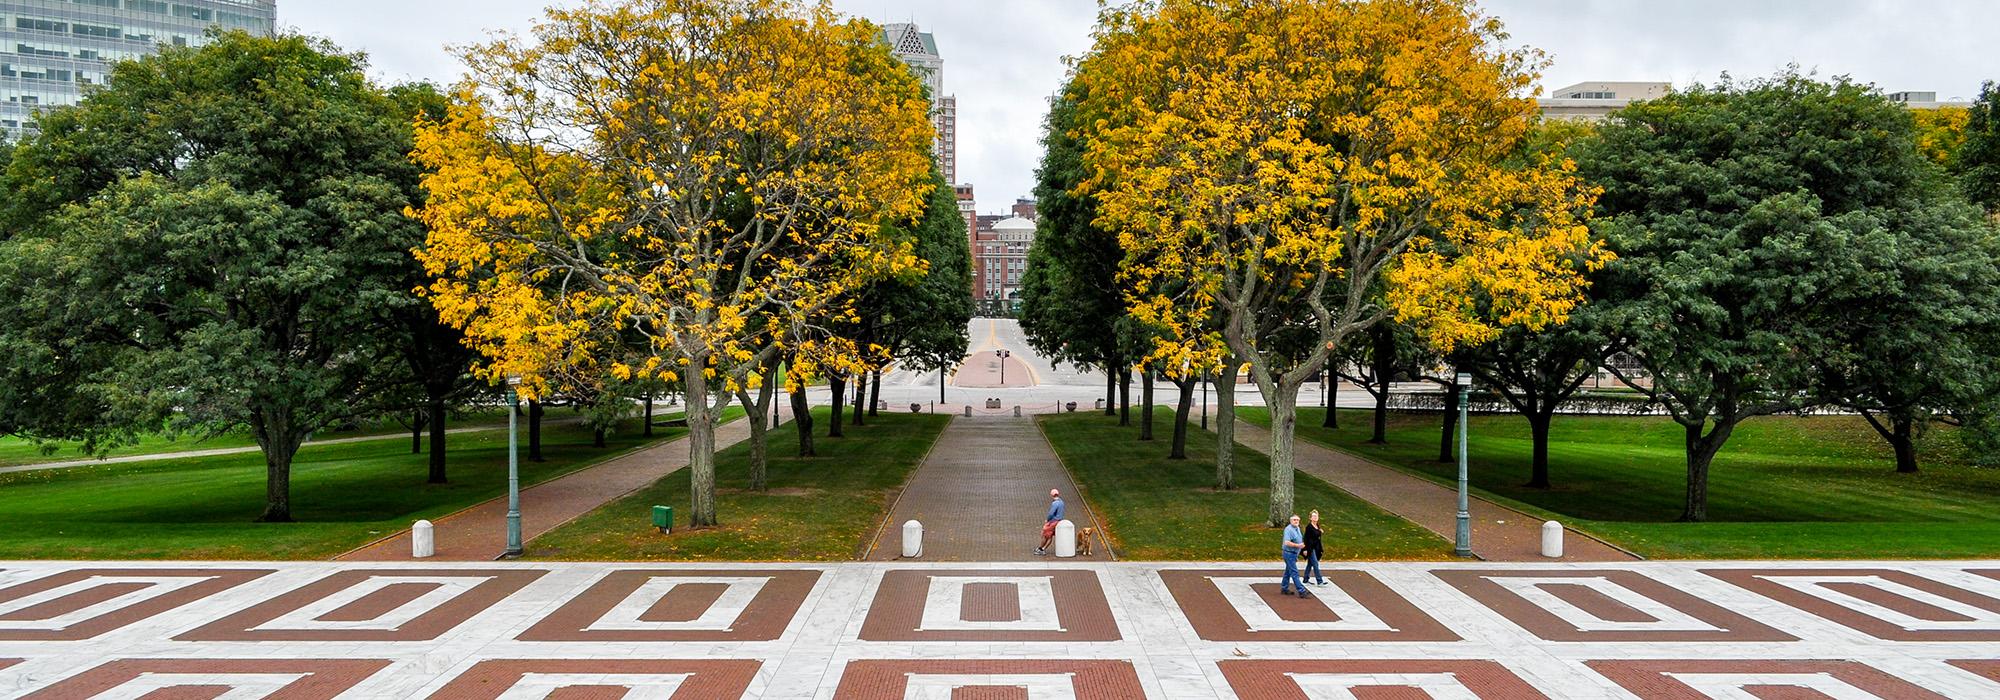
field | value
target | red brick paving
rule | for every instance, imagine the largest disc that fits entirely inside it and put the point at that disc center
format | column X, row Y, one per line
column 889, row 680
column 1499, row 533
column 712, row 679
column 1081, row 609
column 244, row 626
column 982, row 494
column 1761, row 581
column 766, row 617
column 216, row 581
column 1482, row 586
column 1216, row 620
column 324, row 679
column 1270, row 679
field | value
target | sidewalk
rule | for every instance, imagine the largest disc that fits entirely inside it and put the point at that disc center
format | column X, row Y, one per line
column 982, row 494
column 479, row 533
column 1499, row 533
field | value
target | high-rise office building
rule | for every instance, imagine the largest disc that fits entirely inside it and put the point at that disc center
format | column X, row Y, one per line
column 54, row 51
column 919, row 49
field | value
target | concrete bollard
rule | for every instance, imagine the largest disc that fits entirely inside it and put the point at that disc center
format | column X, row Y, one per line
column 423, row 541
column 1066, row 539
column 1017, row 411
column 913, row 539
column 1552, row 539
column 968, row 410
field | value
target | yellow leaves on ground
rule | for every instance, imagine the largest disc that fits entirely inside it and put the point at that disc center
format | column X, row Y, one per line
column 683, row 179
column 1273, row 164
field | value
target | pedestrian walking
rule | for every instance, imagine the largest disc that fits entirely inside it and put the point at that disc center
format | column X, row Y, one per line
column 1049, row 524
column 1295, row 542
column 1315, row 550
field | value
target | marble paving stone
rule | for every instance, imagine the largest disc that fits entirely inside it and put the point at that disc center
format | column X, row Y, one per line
column 907, row 630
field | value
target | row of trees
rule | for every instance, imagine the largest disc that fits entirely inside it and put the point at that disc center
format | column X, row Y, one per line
column 1750, row 248
column 655, row 195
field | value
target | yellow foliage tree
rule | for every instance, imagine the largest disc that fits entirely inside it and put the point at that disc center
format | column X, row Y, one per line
column 1312, row 167
column 670, row 189
column 1941, row 133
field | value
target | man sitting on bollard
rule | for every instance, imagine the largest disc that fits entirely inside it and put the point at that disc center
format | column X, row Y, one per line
column 1049, row 526
column 1295, row 542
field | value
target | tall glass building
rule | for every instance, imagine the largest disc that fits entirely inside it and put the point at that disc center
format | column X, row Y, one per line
column 53, row 51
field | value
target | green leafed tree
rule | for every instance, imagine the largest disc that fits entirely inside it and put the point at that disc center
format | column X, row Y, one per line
column 216, row 241
column 1979, row 157
column 1749, row 219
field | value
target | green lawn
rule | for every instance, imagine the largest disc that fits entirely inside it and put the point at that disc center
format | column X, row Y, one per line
column 1167, row 510
column 1784, row 487
column 202, row 508
column 18, row 452
column 819, row 509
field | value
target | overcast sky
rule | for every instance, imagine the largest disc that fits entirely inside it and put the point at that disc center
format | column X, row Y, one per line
column 1003, row 58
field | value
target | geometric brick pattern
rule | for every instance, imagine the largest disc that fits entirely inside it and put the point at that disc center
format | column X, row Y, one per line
column 1605, row 606
column 680, row 606
column 1056, row 629
column 1885, row 604
column 1702, row 679
column 85, row 603
column 602, row 678
column 961, row 680
column 277, row 679
column 1246, row 606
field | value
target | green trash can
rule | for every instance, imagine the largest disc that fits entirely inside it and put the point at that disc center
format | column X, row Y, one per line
column 663, row 518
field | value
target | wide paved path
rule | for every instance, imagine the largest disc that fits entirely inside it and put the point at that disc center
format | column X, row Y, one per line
column 217, row 451
column 897, row 631
column 1499, row 533
column 982, row 494
column 479, row 533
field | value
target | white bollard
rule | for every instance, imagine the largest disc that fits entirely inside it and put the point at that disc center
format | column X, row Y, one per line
column 968, row 410
column 913, row 539
column 1552, row 539
column 423, row 542
column 1017, row 411
column 1066, row 539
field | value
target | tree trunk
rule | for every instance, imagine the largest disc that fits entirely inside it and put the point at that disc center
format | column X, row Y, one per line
column 1110, row 392
column 1125, row 396
column 1146, row 405
column 1538, row 428
column 279, row 440
column 597, row 437
column 758, row 410
column 437, row 426
column 1284, row 407
column 1447, row 438
column 875, row 395
column 1181, row 419
column 701, row 448
column 417, row 433
column 649, row 415
column 803, row 418
column 1385, row 370
column 839, row 386
column 1905, row 443
column 1332, row 417
column 535, row 412
column 1701, row 451
column 1225, row 429
column 860, row 399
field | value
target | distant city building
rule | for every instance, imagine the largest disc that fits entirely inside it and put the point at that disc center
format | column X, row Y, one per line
column 1001, row 257
column 919, row 50
column 1596, row 101
column 52, row 52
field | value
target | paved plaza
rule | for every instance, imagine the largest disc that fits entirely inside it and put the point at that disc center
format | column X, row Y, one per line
column 1048, row 630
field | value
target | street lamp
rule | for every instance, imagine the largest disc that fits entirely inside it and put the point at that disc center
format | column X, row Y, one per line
column 1463, row 545
column 513, row 466
column 1003, row 355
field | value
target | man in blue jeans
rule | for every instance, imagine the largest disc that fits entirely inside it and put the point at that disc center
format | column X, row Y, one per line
column 1295, row 542
column 1049, row 524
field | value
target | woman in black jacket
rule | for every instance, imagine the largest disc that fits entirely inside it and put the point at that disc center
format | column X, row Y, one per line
column 1314, row 550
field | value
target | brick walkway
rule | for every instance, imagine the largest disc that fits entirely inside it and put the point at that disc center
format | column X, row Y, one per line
column 1040, row 631
column 982, row 494
column 479, row 533
column 1499, row 533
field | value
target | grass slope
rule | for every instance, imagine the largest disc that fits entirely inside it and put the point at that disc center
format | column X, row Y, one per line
column 1821, row 487
column 1168, row 510
column 202, row 508
column 817, row 509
